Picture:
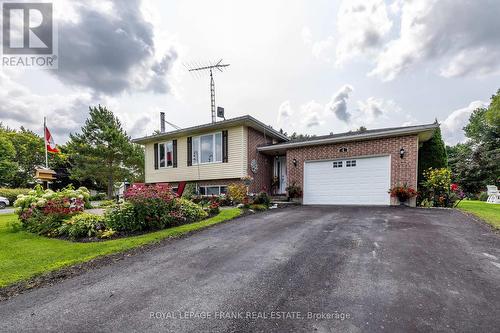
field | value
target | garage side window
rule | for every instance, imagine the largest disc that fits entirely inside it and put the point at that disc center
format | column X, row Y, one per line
column 350, row 163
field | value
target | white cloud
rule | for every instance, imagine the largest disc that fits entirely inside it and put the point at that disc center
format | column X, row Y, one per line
column 338, row 104
column 452, row 126
column 317, row 118
column 313, row 113
column 460, row 34
column 361, row 27
column 284, row 112
column 322, row 49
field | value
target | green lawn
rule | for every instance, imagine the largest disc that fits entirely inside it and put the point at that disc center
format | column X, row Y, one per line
column 488, row 212
column 24, row 255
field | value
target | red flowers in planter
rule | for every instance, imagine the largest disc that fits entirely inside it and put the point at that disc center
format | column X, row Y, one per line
column 403, row 193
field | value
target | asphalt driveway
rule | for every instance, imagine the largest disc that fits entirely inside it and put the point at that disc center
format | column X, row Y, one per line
column 358, row 269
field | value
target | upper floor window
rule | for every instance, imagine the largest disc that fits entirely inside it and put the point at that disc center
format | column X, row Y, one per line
column 207, row 148
column 166, row 154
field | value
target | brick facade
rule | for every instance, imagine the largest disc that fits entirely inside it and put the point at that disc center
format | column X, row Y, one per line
column 263, row 177
column 402, row 170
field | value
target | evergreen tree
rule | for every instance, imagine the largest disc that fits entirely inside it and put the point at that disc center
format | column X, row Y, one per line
column 432, row 154
column 103, row 151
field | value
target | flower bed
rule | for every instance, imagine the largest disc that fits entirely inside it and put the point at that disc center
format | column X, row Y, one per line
column 43, row 212
column 146, row 208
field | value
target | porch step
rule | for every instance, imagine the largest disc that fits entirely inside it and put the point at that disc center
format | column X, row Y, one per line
column 283, row 204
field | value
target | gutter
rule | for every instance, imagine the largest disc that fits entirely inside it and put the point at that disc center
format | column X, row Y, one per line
column 348, row 138
column 243, row 120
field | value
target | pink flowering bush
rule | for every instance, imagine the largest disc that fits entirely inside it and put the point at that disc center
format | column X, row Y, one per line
column 142, row 194
column 152, row 207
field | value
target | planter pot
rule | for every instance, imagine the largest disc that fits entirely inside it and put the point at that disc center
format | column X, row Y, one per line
column 403, row 201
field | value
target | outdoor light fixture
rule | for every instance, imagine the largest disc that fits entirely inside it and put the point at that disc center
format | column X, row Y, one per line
column 402, row 152
column 294, row 161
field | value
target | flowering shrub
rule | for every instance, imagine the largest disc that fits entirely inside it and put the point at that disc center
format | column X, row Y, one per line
column 146, row 193
column 237, row 192
column 43, row 211
column 213, row 208
column 152, row 207
column 437, row 189
column 403, row 193
column 294, row 191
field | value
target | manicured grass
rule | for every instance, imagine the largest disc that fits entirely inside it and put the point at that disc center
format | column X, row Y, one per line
column 490, row 213
column 24, row 255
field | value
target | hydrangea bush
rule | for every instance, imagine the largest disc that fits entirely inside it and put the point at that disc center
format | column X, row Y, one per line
column 43, row 211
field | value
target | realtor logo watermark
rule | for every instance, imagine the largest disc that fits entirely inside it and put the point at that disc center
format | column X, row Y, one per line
column 29, row 35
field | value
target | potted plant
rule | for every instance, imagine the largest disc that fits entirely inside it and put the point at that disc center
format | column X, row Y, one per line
column 403, row 193
column 275, row 183
column 294, row 192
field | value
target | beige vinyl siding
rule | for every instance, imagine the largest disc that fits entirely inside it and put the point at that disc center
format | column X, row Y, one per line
column 235, row 168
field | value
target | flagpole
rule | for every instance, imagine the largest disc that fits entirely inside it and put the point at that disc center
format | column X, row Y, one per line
column 45, row 142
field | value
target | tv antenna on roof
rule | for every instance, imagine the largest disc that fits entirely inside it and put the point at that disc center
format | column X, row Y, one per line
column 208, row 68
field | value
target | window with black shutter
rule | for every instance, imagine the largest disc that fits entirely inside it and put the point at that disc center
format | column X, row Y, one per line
column 174, row 153
column 189, row 151
column 156, row 156
column 224, row 147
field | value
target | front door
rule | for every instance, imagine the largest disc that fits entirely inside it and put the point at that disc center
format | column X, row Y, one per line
column 280, row 173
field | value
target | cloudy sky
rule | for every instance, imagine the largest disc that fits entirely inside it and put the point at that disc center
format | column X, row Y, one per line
column 310, row 67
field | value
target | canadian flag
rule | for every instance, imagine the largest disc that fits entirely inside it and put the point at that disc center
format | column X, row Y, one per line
column 49, row 142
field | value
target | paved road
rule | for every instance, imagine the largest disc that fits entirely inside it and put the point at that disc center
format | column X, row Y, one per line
column 8, row 210
column 386, row 269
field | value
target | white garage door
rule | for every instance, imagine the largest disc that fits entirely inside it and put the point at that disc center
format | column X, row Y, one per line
column 356, row 181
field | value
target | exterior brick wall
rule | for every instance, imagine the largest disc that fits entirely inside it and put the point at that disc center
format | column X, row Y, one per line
column 402, row 170
column 263, row 177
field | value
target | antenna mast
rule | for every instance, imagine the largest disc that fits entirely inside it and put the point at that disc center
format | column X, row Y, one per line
column 218, row 65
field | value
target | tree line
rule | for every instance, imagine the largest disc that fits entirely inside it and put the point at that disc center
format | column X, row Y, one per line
column 474, row 163
column 98, row 156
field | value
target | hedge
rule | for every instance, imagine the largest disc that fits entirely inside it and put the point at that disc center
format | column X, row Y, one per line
column 12, row 193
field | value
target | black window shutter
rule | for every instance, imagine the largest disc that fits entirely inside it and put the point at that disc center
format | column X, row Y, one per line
column 174, row 147
column 190, row 151
column 224, row 147
column 156, row 156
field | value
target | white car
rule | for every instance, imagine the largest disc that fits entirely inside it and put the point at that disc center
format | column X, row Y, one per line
column 4, row 202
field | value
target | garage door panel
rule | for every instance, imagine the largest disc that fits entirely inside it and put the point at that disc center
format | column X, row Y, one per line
column 365, row 183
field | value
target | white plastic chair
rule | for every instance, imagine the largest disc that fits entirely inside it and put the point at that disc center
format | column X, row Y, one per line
column 493, row 194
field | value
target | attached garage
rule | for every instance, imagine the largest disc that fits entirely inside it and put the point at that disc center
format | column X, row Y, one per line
column 350, row 181
column 353, row 168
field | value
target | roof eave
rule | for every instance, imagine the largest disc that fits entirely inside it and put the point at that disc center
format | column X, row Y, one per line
column 425, row 132
column 244, row 121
